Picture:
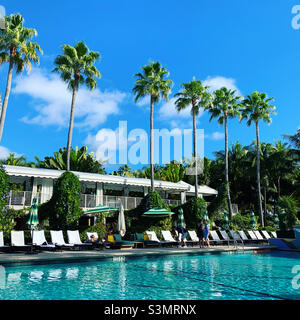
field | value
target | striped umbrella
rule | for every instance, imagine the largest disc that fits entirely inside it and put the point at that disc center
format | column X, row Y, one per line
column 33, row 220
column 252, row 220
column 205, row 217
column 180, row 218
column 157, row 213
column 225, row 224
column 101, row 209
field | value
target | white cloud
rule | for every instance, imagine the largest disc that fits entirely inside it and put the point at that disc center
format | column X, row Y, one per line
column 215, row 136
column 168, row 110
column 144, row 102
column 4, row 153
column 53, row 101
column 218, row 82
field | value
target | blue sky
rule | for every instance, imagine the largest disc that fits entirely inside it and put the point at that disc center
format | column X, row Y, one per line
column 247, row 45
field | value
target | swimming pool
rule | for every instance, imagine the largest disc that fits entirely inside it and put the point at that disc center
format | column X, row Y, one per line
column 209, row 276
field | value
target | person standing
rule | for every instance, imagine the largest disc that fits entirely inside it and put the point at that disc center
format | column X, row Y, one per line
column 206, row 233
column 200, row 233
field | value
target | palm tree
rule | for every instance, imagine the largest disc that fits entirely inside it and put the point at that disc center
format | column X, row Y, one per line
column 256, row 107
column 16, row 49
column 12, row 160
column 195, row 96
column 151, row 83
column 225, row 106
column 76, row 67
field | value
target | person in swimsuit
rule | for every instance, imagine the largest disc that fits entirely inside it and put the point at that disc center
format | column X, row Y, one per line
column 200, row 235
column 206, row 233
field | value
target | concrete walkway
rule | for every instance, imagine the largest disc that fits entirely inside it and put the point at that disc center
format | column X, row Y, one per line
column 10, row 259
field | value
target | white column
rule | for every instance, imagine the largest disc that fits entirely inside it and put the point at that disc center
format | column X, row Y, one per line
column 145, row 191
column 183, row 197
column 99, row 193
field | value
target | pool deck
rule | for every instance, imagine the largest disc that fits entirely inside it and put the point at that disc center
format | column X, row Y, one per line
column 13, row 259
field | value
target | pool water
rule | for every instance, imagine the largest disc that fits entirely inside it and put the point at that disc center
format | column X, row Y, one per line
column 209, row 276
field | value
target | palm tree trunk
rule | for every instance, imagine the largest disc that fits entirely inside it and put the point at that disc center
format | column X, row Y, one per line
column 195, row 153
column 258, row 176
column 7, row 92
column 151, row 142
column 227, row 169
column 71, row 124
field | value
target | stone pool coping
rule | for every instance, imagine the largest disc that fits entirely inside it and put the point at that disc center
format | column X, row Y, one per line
column 17, row 259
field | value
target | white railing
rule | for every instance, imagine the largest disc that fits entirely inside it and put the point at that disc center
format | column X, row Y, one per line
column 22, row 199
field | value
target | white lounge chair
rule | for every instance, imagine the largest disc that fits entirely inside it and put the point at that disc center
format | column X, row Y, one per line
column 39, row 240
column 153, row 237
column 259, row 236
column 168, row 237
column 194, row 237
column 2, row 246
column 244, row 237
column 266, row 234
column 216, row 239
column 253, row 236
column 236, row 236
column 57, row 238
column 18, row 241
column 74, row 238
column 226, row 237
column 274, row 234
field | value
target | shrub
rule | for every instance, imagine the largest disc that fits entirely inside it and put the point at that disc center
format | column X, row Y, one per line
column 6, row 216
column 288, row 208
column 240, row 222
column 193, row 211
column 98, row 227
column 65, row 202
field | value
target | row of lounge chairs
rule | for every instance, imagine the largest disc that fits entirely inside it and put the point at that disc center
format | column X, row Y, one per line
column 115, row 241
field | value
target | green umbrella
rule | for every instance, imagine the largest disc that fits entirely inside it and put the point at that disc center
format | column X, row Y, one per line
column 225, row 224
column 252, row 220
column 33, row 220
column 180, row 218
column 101, row 209
column 205, row 217
column 157, row 213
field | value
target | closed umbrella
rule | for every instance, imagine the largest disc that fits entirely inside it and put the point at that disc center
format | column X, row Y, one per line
column 157, row 213
column 205, row 217
column 225, row 224
column 121, row 222
column 180, row 218
column 33, row 220
column 252, row 220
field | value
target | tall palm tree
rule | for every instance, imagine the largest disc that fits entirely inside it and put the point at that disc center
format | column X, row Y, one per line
column 76, row 67
column 225, row 106
column 195, row 96
column 151, row 82
column 17, row 50
column 254, row 108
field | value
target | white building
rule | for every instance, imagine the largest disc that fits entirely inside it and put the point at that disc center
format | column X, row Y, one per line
column 96, row 188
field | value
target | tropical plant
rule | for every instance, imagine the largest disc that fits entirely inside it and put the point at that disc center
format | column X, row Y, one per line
column 17, row 50
column 173, row 172
column 254, row 108
column 12, row 160
column 65, row 202
column 225, row 106
column 288, row 208
column 80, row 160
column 151, row 82
column 6, row 218
column 76, row 67
column 195, row 96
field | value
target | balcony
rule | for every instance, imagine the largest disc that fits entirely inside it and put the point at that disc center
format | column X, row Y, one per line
column 21, row 199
